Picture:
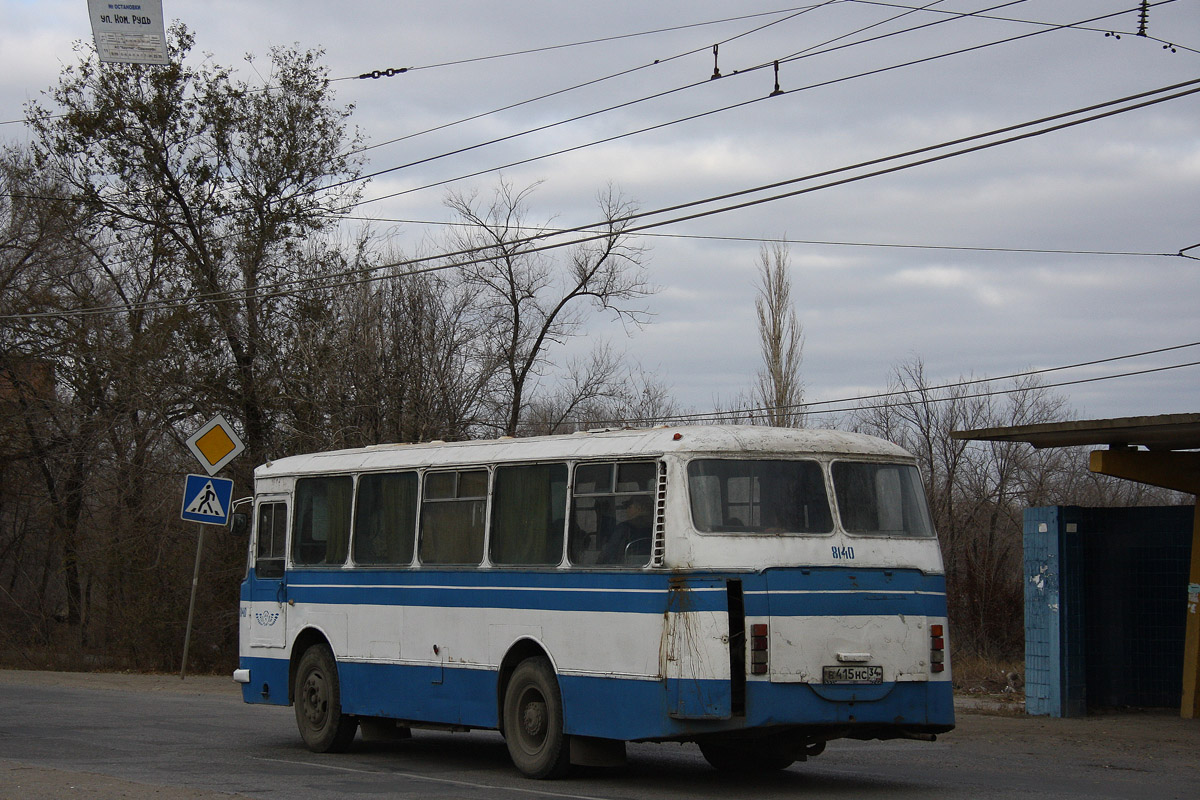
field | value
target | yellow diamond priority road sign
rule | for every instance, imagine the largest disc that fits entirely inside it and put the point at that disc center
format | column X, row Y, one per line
column 215, row 444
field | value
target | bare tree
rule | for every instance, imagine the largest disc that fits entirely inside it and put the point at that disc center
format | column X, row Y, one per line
column 218, row 182
column 569, row 405
column 147, row 185
column 779, row 388
column 532, row 302
column 977, row 491
column 601, row 392
column 402, row 357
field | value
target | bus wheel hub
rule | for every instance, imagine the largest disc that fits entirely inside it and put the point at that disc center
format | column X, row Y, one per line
column 534, row 719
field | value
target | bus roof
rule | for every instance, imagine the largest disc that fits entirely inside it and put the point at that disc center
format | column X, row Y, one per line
column 648, row 442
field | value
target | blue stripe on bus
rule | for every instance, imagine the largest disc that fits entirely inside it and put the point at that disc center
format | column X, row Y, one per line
column 494, row 578
column 781, row 578
column 561, row 600
column 775, row 591
column 612, row 708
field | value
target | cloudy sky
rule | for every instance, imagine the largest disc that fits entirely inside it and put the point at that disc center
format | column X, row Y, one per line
column 1045, row 252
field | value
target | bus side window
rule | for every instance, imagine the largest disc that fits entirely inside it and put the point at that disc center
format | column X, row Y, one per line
column 528, row 512
column 385, row 518
column 612, row 513
column 452, row 517
column 271, row 535
column 321, row 529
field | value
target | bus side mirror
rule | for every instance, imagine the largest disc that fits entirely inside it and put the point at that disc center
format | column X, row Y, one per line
column 239, row 523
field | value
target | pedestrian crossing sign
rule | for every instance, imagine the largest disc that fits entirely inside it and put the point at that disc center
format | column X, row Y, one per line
column 207, row 499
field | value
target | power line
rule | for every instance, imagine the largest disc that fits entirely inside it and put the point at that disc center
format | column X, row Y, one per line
column 807, row 53
column 857, row 403
column 680, row 120
column 567, row 121
column 526, row 161
column 1077, row 26
column 395, row 71
column 669, row 123
column 818, row 242
column 1194, row 88
column 600, row 40
column 803, row 54
column 595, row 81
column 1110, row 108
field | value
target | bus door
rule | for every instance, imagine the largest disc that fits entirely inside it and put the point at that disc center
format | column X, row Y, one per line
column 696, row 647
column 268, row 579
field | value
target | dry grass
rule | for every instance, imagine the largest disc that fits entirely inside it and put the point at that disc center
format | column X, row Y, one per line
column 975, row 674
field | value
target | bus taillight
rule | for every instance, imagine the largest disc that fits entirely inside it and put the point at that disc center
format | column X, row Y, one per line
column 937, row 648
column 758, row 649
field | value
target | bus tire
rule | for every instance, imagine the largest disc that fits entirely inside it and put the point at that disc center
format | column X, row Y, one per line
column 744, row 758
column 323, row 726
column 533, row 721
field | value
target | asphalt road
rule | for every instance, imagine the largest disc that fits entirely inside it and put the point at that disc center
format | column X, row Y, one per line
column 141, row 737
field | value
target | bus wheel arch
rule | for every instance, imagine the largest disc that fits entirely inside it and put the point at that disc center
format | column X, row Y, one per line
column 517, row 652
column 304, row 640
column 315, row 690
column 531, row 717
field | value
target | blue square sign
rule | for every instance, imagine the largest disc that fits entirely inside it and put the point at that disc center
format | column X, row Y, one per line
column 207, row 499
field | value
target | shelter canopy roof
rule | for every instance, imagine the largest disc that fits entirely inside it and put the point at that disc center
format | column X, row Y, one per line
column 1164, row 432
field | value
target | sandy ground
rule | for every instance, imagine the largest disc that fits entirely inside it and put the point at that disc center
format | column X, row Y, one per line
column 25, row 782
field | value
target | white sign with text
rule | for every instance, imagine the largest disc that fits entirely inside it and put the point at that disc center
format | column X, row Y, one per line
column 130, row 32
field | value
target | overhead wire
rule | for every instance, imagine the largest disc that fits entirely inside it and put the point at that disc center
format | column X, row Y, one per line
column 1081, row 26
column 810, row 407
column 604, row 39
column 394, row 71
column 817, row 242
column 766, row 413
column 595, row 81
column 807, row 52
column 569, row 120
column 624, row 224
column 802, row 10
column 680, row 120
column 658, row 126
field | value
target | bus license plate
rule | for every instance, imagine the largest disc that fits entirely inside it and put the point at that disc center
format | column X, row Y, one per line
column 871, row 674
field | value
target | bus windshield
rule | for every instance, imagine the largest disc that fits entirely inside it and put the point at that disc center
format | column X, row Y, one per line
column 757, row 496
column 881, row 499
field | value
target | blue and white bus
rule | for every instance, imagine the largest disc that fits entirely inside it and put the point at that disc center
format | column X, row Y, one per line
column 759, row 591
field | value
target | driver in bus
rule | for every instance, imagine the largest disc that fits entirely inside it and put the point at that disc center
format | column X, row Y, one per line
column 635, row 528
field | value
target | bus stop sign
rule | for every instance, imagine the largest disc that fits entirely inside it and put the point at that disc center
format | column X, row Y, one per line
column 207, row 499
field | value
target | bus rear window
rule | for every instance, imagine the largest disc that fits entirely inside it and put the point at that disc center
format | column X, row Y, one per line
column 752, row 496
column 881, row 499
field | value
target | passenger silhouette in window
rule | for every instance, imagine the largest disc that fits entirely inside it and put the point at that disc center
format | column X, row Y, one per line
column 635, row 527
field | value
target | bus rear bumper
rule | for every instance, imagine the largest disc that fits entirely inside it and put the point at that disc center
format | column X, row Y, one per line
column 263, row 680
column 643, row 710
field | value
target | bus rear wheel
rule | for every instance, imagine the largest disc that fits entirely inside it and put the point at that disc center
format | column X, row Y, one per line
column 323, row 726
column 759, row 757
column 533, row 721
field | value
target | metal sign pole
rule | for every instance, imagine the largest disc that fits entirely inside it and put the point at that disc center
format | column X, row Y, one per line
column 187, row 638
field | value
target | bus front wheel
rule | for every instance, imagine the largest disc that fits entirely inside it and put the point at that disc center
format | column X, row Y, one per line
column 533, row 721
column 323, row 726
